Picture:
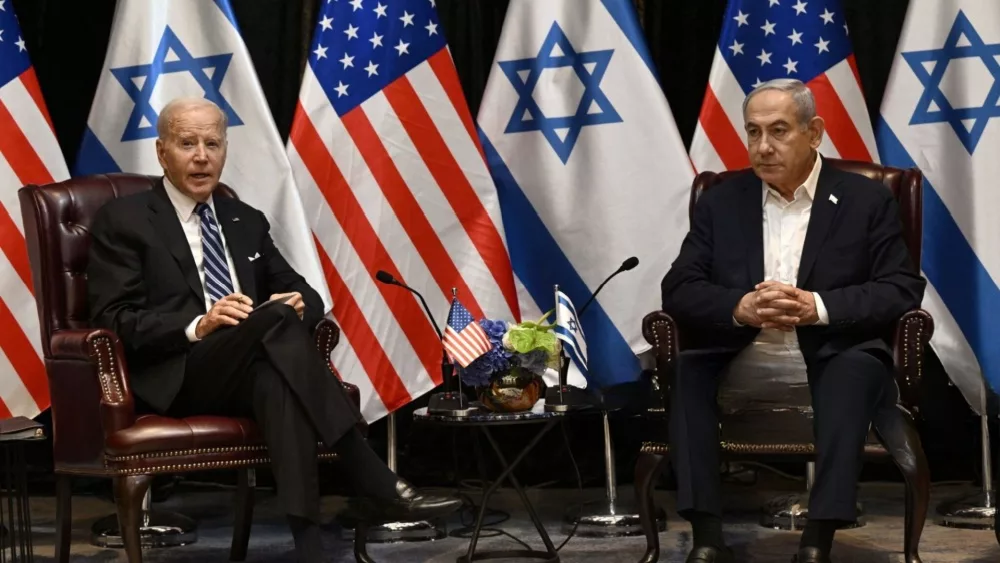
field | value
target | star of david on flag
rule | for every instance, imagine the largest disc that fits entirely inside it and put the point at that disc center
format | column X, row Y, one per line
column 938, row 115
column 171, row 56
column 561, row 131
column 929, row 65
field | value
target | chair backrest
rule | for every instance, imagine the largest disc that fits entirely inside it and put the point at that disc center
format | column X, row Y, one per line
column 57, row 219
column 905, row 184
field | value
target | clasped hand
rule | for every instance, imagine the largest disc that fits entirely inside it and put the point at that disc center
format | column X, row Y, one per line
column 773, row 304
column 233, row 308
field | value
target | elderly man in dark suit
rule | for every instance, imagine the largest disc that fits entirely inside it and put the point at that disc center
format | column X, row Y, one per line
column 170, row 272
column 796, row 264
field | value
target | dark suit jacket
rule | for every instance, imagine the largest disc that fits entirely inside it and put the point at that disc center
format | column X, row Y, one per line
column 854, row 257
column 142, row 282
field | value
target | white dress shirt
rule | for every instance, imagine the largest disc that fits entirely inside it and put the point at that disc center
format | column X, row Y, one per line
column 191, row 224
column 785, row 225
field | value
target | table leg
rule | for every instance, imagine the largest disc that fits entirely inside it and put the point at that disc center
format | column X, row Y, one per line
column 507, row 474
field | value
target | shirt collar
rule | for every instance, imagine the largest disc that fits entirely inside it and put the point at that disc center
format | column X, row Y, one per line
column 810, row 184
column 183, row 203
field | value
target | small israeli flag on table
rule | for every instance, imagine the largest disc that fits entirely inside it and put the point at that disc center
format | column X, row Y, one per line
column 569, row 331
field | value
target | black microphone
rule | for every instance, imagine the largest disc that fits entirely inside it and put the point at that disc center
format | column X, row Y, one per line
column 386, row 278
column 627, row 265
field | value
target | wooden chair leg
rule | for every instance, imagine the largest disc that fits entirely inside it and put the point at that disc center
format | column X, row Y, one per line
column 64, row 517
column 899, row 435
column 128, row 498
column 647, row 471
column 246, row 483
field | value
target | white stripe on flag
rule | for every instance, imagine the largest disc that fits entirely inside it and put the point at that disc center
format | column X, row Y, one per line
column 954, row 352
column 35, row 128
column 13, row 392
column 727, row 90
column 20, row 302
column 8, row 197
column 345, row 359
column 842, row 79
column 708, row 157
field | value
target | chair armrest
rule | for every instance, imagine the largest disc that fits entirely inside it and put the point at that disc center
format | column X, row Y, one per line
column 913, row 333
column 660, row 330
column 327, row 336
column 97, row 353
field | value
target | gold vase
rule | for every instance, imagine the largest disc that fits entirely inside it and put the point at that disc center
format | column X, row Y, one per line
column 513, row 392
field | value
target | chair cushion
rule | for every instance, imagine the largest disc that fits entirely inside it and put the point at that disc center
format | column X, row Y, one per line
column 159, row 434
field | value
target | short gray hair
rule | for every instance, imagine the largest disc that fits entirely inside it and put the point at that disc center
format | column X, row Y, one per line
column 175, row 105
column 801, row 95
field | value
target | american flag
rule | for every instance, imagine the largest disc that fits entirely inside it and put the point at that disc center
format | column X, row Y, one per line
column 464, row 339
column 29, row 154
column 766, row 39
column 389, row 166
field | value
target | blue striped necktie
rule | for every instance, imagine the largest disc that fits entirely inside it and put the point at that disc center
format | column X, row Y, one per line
column 218, row 282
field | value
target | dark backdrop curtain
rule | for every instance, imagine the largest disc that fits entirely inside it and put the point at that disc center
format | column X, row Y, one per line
column 67, row 40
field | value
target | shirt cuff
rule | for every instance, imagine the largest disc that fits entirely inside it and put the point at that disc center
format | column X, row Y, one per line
column 736, row 322
column 824, row 317
column 190, row 331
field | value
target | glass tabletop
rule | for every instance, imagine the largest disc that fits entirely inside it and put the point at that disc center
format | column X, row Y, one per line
column 481, row 416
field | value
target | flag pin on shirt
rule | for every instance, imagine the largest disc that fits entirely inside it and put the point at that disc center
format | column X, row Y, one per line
column 833, row 198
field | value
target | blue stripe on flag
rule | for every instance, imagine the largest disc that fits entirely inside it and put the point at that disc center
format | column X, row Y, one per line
column 952, row 267
column 544, row 265
column 624, row 14
column 572, row 351
column 93, row 158
column 228, row 11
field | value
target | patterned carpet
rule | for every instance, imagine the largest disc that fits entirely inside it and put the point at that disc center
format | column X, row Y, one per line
column 880, row 541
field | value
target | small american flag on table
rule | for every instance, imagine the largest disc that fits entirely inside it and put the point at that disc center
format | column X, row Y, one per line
column 464, row 339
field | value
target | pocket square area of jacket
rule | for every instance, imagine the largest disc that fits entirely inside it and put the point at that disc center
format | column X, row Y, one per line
column 254, row 257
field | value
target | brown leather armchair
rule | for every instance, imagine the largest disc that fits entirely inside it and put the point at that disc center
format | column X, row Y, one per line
column 781, row 427
column 96, row 430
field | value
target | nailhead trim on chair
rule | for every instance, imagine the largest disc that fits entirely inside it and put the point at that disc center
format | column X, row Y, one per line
column 100, row 351
column 185, row 467
column 181, row 453
column 747, row 448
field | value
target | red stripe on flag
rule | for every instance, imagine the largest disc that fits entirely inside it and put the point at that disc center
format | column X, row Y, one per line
column 444, row 68
column 19, row 153
column 4, row 411
column 422, row 234
column 383, row 375
column 839, row 126
column 30, row 81
column 723, row 135
column 454, row 185
column 364, row 239
column 22, row 356
column 857, row 75
column 12, row 244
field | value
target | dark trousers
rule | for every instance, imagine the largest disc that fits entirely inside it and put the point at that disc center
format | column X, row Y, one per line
column 847, row 390
column 268, row 369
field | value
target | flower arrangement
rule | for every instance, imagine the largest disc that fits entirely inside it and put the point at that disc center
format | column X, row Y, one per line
column 518, row 349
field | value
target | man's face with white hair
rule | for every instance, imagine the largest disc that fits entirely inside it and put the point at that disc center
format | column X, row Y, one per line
column 194, row 151
column 780, row 146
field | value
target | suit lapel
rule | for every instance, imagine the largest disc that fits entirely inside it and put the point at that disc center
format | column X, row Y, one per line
column 165, row 221
column 236, row 239
column 826, row 204
column 752, row 225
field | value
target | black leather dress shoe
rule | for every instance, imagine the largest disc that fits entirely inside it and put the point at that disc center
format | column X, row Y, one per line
column 811, row 555
column 409, row 504
column 710, row 555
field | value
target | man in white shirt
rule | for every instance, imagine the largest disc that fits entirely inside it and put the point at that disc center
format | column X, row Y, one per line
column 797, row 265
column 182, row 277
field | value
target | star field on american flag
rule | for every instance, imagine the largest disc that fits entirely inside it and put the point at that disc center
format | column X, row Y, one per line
column 13, row 53
column 362, row 46
column 766, row 39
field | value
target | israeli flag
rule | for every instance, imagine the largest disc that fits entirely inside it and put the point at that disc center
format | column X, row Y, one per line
column 589, row 168
column 940, row 114
column 164, row 49
column 569, row 331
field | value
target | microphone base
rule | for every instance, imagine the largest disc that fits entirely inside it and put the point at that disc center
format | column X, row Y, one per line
column 571, row 399
column 450, row 403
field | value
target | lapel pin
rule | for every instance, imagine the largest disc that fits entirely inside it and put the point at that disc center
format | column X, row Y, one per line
column 236, row 219
column 833, row 198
